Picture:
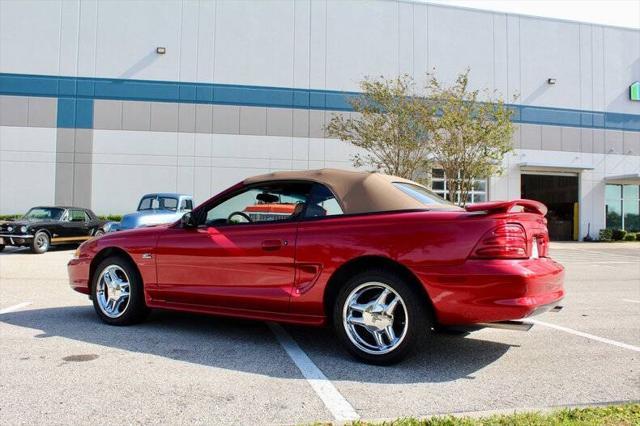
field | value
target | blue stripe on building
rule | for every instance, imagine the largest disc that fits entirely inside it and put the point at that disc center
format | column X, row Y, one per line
column 76, row 95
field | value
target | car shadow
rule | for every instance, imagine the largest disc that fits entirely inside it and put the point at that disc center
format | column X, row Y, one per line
column 440, row 358
column 249, row 346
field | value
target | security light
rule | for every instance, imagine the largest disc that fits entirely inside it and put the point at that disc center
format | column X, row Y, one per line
column 161, row 50
column 551, row 81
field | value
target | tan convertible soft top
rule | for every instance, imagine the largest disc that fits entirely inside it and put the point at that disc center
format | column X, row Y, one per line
column 358, row 192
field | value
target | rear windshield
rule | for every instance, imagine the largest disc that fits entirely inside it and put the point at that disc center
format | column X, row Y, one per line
column 421, row 194
column 156, row 202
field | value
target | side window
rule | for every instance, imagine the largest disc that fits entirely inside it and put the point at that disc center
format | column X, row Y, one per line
column 169, row 203
column 186, row 205
column 265, row 203
column 78, row 216
column 322, row 202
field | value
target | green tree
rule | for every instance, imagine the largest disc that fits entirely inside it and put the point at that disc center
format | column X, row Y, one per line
column 470, row 137
column 402, row 132
column 389, row 127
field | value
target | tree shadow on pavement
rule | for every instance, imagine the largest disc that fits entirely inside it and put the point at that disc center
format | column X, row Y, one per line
column 249, row 346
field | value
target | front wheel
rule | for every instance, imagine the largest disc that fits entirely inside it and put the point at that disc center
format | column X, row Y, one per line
column 40, row 243
column 117, row 292
column 379, row 317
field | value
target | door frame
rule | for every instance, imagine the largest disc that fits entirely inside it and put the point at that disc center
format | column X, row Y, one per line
column 568, row 173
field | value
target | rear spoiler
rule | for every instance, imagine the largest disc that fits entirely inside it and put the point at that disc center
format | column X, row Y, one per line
column 529, row 206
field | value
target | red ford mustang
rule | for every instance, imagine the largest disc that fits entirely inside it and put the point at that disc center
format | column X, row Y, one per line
column 381, row 258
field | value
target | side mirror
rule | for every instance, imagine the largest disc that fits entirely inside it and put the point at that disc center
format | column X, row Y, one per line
column 188, row 221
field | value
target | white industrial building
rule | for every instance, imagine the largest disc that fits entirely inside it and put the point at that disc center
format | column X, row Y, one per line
column 103, row 101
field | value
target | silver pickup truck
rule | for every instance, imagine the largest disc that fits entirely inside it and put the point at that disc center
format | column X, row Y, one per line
column 154, row 209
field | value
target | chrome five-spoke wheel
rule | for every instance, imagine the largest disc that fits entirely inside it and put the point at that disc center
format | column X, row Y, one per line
column 375, row 318
column 117, row 291
column 112, row 291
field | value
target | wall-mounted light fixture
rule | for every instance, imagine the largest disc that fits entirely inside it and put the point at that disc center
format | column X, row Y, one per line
column 551, row 81
column 161, row 50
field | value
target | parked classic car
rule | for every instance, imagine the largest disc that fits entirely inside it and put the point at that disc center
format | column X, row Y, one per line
column 43, row 227
column 155, row 209
column 383, row 259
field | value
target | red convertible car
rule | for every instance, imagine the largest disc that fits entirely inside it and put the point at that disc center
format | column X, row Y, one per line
column 382, row 259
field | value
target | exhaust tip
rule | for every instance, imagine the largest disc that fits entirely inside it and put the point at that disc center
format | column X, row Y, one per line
column 509, row 325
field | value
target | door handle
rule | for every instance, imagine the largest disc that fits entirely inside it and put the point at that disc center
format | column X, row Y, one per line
column 272, row 245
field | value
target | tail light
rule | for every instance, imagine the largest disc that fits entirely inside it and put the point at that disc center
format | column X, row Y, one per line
column 507, row 241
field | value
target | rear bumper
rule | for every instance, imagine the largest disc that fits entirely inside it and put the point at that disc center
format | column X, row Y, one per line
column 78, row 270
column 493, row 290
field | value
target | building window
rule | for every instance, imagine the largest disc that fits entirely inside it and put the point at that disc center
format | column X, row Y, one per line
column 622, row 206
column 478, row 192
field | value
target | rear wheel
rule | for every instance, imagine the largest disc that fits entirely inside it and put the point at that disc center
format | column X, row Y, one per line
column 40, row 243
column 117, row 292
column 379, row 317
column 2, row 246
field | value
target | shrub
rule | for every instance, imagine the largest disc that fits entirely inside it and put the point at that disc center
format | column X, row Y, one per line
column 630, row 237
column 605, row 235
column 638, row 236
column 111, row 217
column 9, row 216
column 618, row 234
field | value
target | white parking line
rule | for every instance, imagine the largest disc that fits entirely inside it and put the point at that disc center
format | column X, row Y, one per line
column 339, row 407
column 585, row 335
column 631, row 301
column 14, row 308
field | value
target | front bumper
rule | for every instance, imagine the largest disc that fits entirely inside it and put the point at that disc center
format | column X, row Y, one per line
column 15, row 239
column 78, row 269
column 482, row 291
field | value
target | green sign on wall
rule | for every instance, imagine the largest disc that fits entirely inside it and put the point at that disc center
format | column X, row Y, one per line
column 634, row 91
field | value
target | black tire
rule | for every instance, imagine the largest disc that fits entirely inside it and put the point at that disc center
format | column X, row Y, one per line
column 40, row 243
column 135, row 309
column 2, row 246
column 416, row 310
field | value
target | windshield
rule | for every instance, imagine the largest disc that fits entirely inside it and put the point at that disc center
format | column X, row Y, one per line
column 156, row 202
column 421, row 194
column 44, row 213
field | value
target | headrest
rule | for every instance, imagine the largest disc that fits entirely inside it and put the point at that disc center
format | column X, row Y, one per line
column 265, row 197
column 314, row 210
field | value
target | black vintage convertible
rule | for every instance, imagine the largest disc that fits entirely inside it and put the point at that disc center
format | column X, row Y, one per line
column 43, row 227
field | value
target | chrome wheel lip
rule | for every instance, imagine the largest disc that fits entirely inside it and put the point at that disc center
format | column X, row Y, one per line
column 352, row 330
column 113, row 291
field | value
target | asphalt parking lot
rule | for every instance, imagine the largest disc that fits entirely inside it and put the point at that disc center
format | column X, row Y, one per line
column 59, row 364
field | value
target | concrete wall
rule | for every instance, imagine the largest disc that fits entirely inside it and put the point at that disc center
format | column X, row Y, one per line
column 323, row 44
column 124, row 147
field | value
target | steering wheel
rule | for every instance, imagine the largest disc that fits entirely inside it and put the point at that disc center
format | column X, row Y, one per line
column 243, row 214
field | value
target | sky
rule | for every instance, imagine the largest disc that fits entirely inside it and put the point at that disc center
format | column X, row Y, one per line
column 620, row 13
